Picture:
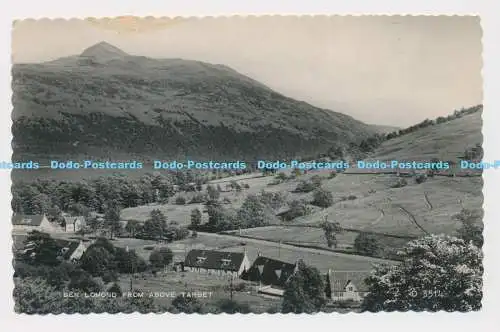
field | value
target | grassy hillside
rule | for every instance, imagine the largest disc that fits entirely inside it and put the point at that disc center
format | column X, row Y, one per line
column 445, row 141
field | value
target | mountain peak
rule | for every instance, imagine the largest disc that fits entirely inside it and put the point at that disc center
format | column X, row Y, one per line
column 104, row 51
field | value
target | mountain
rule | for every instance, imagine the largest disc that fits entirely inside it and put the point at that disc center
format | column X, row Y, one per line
column 105, row 103
column 104, row 51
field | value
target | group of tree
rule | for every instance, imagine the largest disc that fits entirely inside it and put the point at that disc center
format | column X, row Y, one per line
column 331, row 229
column 426, row 123
column 49, row 196
column 436, row 272
column 257, row 210
column 157, row 228
column 305, row 186
column 322, row 198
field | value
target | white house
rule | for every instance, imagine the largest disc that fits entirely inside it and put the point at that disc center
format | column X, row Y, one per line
column 347, row 285
column 218, row 263
column 74, row 224
column 39, row 222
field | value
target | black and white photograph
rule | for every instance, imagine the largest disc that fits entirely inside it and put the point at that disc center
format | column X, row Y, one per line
column 260, row 164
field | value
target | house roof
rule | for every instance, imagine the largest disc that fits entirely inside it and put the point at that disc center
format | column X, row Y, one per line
column 68, row 247
column 269, row 271
column 27, row 220
column 340, row 279
column 216, row 260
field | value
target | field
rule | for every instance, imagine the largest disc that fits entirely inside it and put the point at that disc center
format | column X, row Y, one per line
column 215, row 288
column 432, row 204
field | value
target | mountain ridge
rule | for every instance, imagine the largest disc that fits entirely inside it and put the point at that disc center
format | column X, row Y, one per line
column 170, row 107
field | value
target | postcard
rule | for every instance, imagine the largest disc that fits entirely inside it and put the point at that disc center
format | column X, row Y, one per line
column 264, row 164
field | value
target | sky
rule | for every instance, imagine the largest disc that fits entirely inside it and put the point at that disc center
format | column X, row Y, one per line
column 387, row 70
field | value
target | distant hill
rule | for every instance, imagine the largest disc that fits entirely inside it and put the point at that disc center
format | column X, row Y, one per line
column 105, row 103
column 380, row 129
column 444, row 141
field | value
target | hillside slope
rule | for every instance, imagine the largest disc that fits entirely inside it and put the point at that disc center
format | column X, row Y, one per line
column 105, row 101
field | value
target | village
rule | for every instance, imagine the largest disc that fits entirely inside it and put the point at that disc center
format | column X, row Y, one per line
column 266, row 276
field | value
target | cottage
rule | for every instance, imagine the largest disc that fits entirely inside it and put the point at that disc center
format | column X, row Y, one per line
column 71, row 250
column 74, row 224
column 219, row 263
column 38, row 222
column 270, row 272
column 347, row 285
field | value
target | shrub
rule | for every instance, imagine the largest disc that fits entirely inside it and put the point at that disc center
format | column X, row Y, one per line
column 240, row 287
column 161, row 257
column 322, row 198
column 115, row 288
column 351, row 197
column 197, row 198
column 180, row 200
column 187, row 304
column 400, row 183
column 366, row 244
column 181, row 233
column 297, row 208
column 109, row 276
column 421, row 178
column 84, row 282
column 281, row 176
column 306, row 186
column 233, row 307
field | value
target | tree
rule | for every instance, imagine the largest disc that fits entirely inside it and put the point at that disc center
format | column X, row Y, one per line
column 305, row 291
column 213, row 193
column 305, row 186
column 180, row 200
column 97, row 260
column 127, row 261
column 41, row 249
column 83, row 282
column 161, row 257
column 156, row 226
column 115, row 288
column 229, row 306
column 78, row 209
column 132, row 227
column 40, row 204
column 94, row 224
column 438, row 272
column 331, row 230
column 187, row 304
column 322, row 198
column 472, row 228
column 112, row 219
column 54, row 214
column 254, row 213
column 195, row 218
column 297, row 208
column 366, row 244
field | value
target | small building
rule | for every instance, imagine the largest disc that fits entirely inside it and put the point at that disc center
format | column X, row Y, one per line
column 74, row 224
column 347, row 285
column 270, row 272
column 72, row 250
column 219, row 263
column 37, row 222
